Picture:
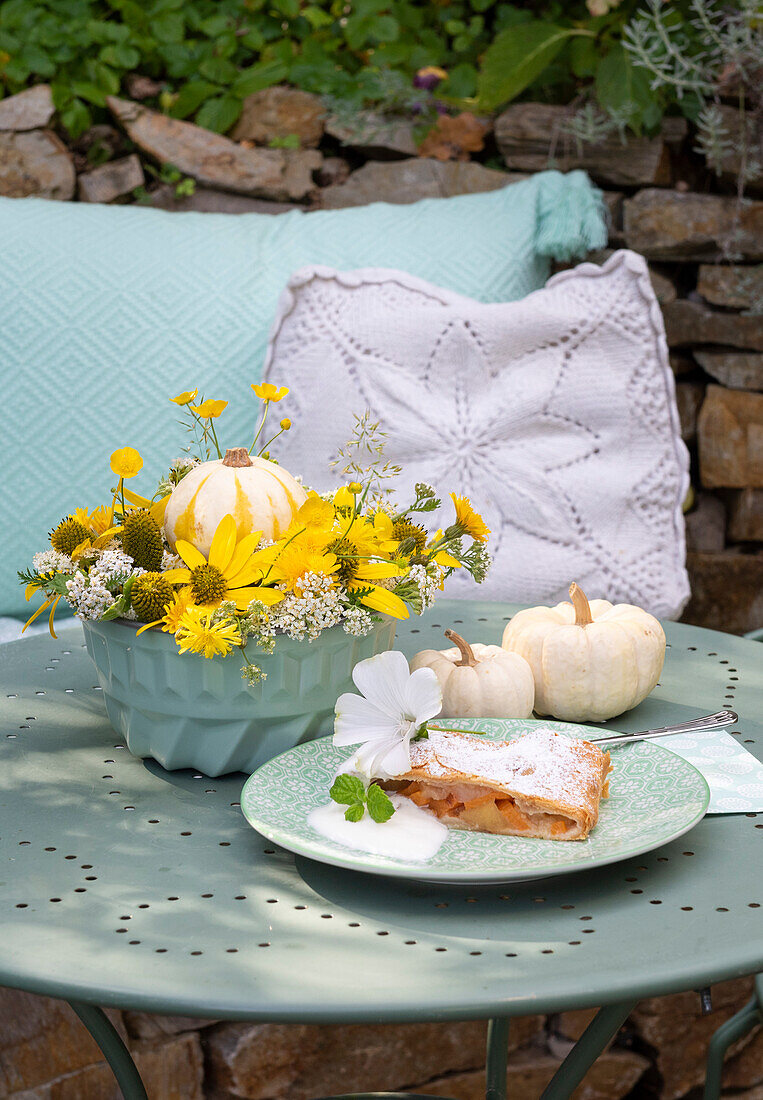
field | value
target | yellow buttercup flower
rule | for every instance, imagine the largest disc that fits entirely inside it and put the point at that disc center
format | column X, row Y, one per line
column 126, row 462
column 227, row 574
column 196, row 633
column 470, row 522
column 285, row 424
column 266, row 391
column 209, row 409
column 185, row 398
column 383, row 531
column 315, row 512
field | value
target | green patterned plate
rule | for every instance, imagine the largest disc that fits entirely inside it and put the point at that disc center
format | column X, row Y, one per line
column 655, row 797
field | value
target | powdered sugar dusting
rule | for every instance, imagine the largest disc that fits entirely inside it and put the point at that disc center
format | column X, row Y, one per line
column 540, row 764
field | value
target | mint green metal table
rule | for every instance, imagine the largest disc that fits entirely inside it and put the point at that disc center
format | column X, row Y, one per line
column 127, row 886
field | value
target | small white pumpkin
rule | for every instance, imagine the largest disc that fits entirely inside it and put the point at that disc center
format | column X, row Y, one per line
column 479, row 681
column 260, row 495
column 590, row 661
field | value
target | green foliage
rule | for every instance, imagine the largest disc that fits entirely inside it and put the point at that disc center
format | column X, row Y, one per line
column 208, row 55
column 517, row 57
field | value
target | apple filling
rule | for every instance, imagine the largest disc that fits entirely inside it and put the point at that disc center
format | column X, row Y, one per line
column 468, row 806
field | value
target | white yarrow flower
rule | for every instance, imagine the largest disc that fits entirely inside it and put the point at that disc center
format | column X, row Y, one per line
column 393, row 704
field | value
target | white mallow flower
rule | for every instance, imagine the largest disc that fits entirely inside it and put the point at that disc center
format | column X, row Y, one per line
column 393, row 705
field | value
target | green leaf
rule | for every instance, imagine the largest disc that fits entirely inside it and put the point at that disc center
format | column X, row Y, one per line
column 461, row 82
column 257, row 77
column 347, row 789
column 214, row 25
column 37, row 61
column 220, row 113
column 120, row 56
column 105, row 78
column 117, row 608
column 317, row 17
column 91, row 92
column 191, row 96
column 62, row 96
column 379, row 803
column 58, row 583
column 517, row 56
column 76, row 118
column 584, row 56
column 622, row 89
column 219, row 69
column 355, row 812
column 168, row 27
column 289, row 8
column 384, row 28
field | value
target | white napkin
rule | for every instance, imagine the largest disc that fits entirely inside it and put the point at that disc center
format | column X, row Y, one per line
column 734, row 775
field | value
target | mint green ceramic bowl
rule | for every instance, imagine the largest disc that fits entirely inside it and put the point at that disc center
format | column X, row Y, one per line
column 187, row 711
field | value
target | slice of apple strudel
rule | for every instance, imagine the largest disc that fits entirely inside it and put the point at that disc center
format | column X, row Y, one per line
column 542, row 784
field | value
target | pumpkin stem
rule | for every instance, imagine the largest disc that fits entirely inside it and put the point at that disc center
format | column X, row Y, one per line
column 467, row 653
column 237, row 456
column 582, row 607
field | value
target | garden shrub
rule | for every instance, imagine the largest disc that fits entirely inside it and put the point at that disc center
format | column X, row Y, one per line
column 623, row 63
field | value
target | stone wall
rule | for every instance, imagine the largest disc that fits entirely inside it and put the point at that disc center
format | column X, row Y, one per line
column 46, row 1054
column 704, row 246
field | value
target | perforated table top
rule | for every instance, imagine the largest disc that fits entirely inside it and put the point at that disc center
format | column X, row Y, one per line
column 129, row 886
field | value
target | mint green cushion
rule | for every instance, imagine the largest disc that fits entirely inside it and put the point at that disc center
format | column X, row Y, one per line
column 106, row 312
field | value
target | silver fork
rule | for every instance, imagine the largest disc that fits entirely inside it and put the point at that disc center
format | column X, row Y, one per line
column 717, row 721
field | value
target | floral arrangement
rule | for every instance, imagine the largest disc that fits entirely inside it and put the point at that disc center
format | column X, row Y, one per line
column 283, row 561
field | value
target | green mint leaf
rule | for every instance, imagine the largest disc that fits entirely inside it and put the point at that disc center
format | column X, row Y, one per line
column 348, row 789
column 379, row 804
column 355, row 812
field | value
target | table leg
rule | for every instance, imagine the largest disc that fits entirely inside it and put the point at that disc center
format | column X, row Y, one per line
column 589, row 1046
column 114, row 1051
column 497, row 1058
column 727, row 1034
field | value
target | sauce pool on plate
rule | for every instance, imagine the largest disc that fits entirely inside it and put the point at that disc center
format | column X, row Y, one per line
column 411, row 834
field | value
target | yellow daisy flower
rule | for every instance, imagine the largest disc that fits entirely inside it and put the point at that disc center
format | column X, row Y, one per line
column 442, row 557
column 209, row 409
column 176, row 611
column 470, row 522
column 51, row 602
column 126, row 462
column 298, row 558
column 266, row 391
column 185, row 398
column 196, row 633
column 355, row 548
column 227, row 574
column 98, row 521
column 155, row 507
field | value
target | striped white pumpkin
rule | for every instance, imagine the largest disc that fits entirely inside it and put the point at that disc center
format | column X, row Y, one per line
column 260, row 497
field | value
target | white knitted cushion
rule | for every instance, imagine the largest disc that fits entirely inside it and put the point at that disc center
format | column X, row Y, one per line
column 555, row 415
